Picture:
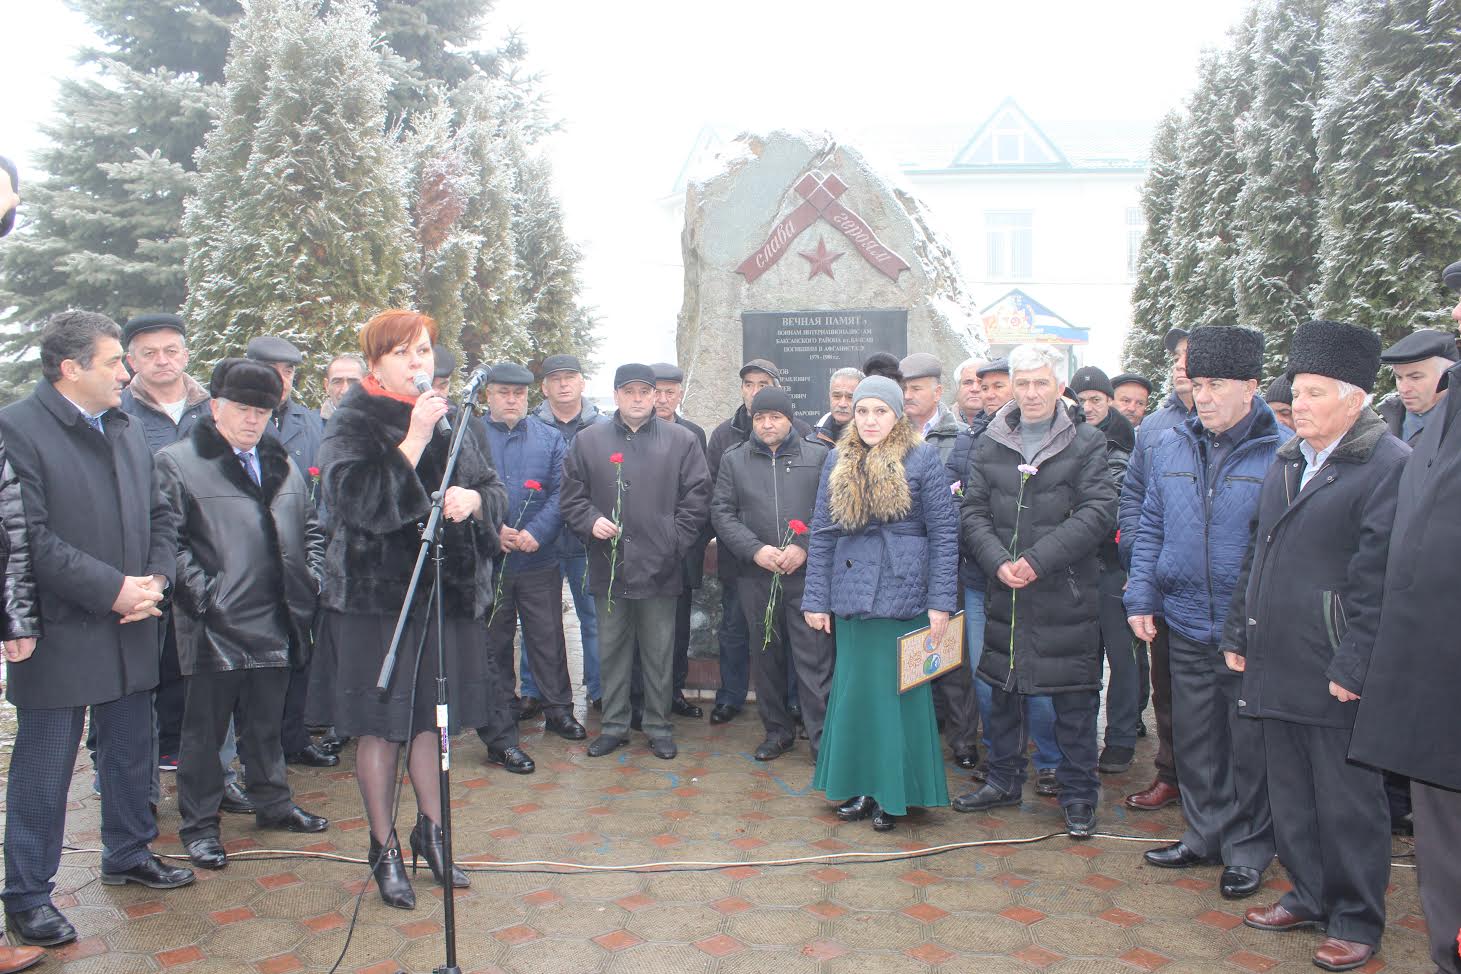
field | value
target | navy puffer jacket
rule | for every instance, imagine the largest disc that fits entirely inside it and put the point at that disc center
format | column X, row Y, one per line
column 1196, row 525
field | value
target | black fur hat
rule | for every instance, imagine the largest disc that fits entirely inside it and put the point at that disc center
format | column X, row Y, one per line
column 1341, row 351
column 883, row 363
column 1225, row 352
column 247, row 383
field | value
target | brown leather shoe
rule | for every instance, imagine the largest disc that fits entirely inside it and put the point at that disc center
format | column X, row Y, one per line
column 14, row 959
column 1275, row 917
column 1342, row 955
column 1158, row 795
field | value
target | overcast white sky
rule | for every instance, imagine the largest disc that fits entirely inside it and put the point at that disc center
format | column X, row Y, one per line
column 634, row 82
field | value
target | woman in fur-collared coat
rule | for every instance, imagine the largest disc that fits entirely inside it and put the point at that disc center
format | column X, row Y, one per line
column 883, row 560
column 381, row 459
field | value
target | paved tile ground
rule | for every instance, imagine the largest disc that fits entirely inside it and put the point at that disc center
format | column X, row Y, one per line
column 1057, row 906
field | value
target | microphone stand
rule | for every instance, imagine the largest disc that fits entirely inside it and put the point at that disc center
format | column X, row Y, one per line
column 431, row 545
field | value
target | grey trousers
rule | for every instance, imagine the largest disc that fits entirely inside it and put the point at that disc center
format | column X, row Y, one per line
column 1332, row 827
column 1437, row 837
column 1220, row 759
column 650, row 624
column 812, row 652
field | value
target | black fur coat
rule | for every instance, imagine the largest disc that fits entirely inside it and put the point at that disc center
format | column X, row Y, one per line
column 376, row 501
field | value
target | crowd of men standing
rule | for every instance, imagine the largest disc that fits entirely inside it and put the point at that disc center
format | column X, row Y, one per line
column 1273, row 554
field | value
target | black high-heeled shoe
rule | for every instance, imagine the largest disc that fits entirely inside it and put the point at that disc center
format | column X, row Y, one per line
column 390, row 874
column 885, row 822
column 427, row 842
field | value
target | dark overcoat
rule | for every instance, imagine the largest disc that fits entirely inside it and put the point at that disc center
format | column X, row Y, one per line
column 377, row 500
column 250, row 556
column 20, row 613
column 1409, row 720
column 1307, row 603
column 301, row 431
column 757, row 494
column 94, row 515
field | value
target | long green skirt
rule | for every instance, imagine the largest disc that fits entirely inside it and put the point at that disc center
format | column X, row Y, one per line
column 875, row 741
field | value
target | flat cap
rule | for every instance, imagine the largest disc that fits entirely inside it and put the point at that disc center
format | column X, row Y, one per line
column 773, row 399
column 445, row 361
column 668, row 372
column 998, row 365
column 1421, row 344
column 1337, row 349
column 509, row 374
column 762, row 365
column 1089, row 379
column 1126, row 378
column 561, row 363
column 633, row 372
column 272, row 348
column 1225, row 352
column 921, row 365
column 139, row 324
column 1451, row 276
column 247, row 383
column 1173, row 337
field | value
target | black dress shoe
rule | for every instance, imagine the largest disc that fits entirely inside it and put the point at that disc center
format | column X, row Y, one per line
column 605, row 744
column 1080, row 819
column 884, row 822
column 235, row 801
column 1239, row 882
column 723, row 713
column 663, row 748
column 684, row 708
column 1046, row 783
column 980, row 772
column 968, row 760
column 1115, row 759
column 984, row 799
column 207, row 853
column 771, row 749
column 566, row 727
column 333, row 743
column 858, row 807
column 312, row 757
column 294, row 820
column 1177, row 856
column 40, row 926
column 528, row 708
column 153, row 872
column 514, row 759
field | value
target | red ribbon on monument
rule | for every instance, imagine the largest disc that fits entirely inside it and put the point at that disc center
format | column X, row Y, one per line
column 820, row 201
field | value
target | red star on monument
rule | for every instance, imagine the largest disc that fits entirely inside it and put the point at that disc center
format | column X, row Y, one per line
column 820, row 259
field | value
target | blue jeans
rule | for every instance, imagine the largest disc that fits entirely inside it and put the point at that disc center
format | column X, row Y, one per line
column 573, row 569
column 735, row 649
column 1039, row 711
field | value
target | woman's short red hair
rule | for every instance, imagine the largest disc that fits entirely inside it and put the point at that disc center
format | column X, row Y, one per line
column 390, row 330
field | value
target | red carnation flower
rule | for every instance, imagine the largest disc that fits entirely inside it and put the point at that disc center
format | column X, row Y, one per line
column 314, row 471
column 616, row 458
column 532, row 485
column 797, row 527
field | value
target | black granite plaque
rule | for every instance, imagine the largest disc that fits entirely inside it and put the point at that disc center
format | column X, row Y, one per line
column 808, row 346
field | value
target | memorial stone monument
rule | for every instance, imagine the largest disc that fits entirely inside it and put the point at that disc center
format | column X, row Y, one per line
column 798, row 252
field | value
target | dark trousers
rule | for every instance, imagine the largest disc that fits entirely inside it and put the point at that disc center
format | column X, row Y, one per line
column 1123, row 691
column 1162, row 703
column 1220, row 759
column 956, row 704
column 1332, row 829
column 812, row 652
column 255, row 700
column 734, row 639
column 169, row 693
column 293, row 732
column 642, row 629
column 1075, row 735
column 1437, row 837
column 535, row 598
column 44, row 756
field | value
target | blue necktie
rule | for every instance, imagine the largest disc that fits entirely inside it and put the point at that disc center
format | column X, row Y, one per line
column 95, row 423
column 248, row 462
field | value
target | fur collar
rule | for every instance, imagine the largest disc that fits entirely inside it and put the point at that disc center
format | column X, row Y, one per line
column 274, row 462
column 870, row 485
column 1357, row 445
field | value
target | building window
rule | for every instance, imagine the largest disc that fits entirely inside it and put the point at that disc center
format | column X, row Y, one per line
column 1135, row 230
column 1010, row 236
column 1009, row 146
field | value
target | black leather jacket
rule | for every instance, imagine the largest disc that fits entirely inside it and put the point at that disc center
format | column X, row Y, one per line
column 250, row 557
column 22, row 614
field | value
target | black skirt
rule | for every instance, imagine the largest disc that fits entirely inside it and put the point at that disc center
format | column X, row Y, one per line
column 355, row 645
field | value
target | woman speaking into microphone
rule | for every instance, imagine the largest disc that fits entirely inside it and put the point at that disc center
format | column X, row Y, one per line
column 383, row 456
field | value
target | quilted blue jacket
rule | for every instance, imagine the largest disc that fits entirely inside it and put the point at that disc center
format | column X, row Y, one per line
column 531, row 450
column 1196, row 525
column 892, row 570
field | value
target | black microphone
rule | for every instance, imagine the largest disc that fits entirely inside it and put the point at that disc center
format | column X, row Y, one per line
column 423, row 385
column 475, row 381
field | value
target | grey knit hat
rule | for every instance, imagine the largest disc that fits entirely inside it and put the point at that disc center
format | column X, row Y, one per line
column 882, row 388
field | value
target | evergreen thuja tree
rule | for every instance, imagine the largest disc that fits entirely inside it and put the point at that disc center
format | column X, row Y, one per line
column 1153, row 304
column 299, row 227
column 1278, row 234
column 1390, row 164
